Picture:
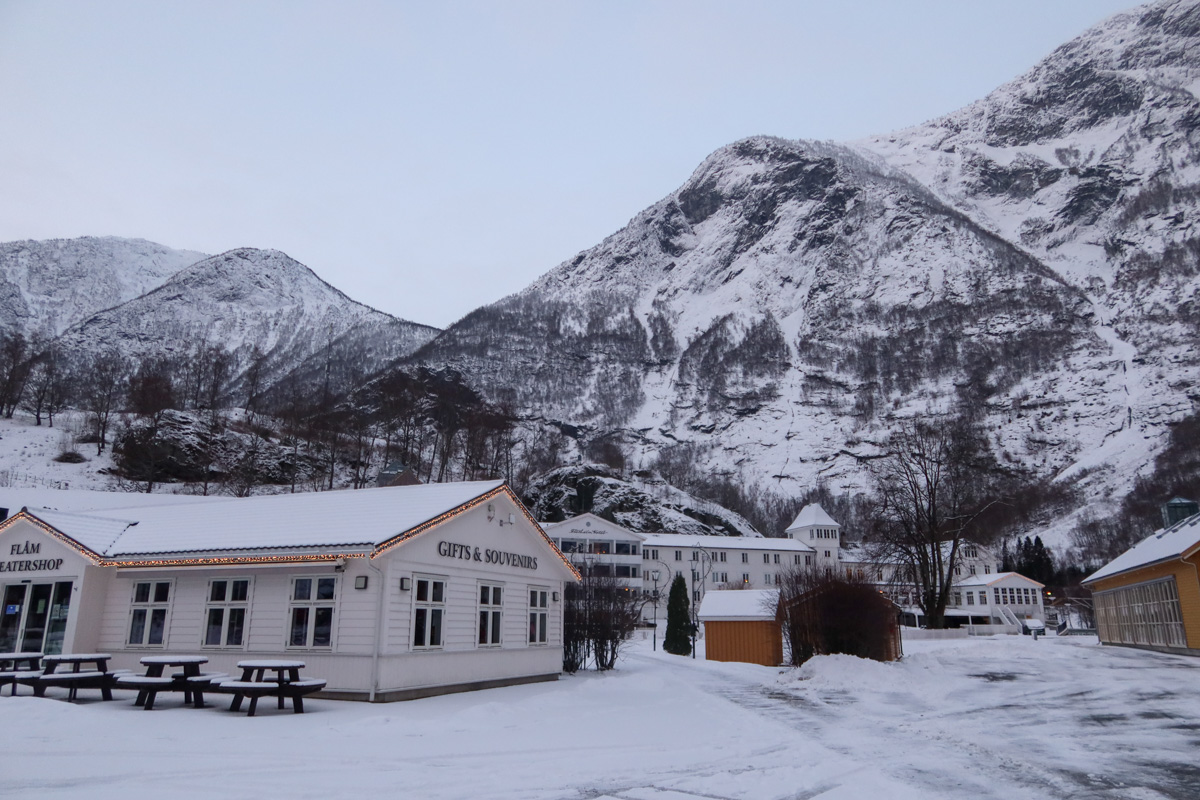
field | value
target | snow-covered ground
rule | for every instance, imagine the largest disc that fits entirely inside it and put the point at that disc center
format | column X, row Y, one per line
column 983, row 718
column 27, row 454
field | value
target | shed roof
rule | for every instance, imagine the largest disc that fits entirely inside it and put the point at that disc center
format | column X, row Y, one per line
column 738, row 604
column 813, row 514
column 1181, row 539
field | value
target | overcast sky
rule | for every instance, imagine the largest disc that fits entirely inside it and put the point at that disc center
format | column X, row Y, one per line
column 427, row 158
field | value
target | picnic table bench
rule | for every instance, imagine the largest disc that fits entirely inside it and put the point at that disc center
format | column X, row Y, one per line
column 154, row 681
column 285, row 684
column 19, row 668
column 76, row 678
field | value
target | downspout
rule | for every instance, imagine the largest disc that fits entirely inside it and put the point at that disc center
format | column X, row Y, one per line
column 378, row 630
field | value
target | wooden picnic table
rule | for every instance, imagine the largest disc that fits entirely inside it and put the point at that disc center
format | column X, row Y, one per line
column 76, row 678
column 287, row 683
column 254, row 670
column 191, row 664
column 153, row 682
column 12, row 671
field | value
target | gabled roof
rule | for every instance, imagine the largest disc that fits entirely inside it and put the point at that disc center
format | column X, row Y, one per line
column 988, row 580
column 587, row 520
column 360, row 519
column 812, row 514
column 1179, row 540
column 734, row 604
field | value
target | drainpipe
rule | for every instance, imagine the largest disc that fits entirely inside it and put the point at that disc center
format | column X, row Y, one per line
column 378, row 630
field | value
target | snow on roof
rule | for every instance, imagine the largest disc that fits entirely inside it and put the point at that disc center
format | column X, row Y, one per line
column 724, row 542
column 729, row 604
column 349, row 518
column 1163, row 544
column 97, row 534
column 592, row 524
column 988, row 580
column 813, row 514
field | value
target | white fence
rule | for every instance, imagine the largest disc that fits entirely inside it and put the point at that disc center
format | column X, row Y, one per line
column 915, row 634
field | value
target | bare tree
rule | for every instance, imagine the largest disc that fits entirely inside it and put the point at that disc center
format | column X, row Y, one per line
column 599, row 615
column 151, row 395
column 932, row 489
column 823, row 613
column 101, row 388
column 15, row 365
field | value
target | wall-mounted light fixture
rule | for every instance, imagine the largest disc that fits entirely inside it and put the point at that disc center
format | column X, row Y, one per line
column 554, row 596
column 405, row 584
column 360, row 581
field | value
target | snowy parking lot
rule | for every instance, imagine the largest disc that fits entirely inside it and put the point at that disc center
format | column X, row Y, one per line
column 1001, row 717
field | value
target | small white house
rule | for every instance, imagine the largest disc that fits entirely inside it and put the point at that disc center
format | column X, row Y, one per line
column 388, row 594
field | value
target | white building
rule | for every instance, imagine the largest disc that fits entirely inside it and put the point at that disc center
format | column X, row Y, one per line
column 600, row 547
column 388, row 593
column 813, row 540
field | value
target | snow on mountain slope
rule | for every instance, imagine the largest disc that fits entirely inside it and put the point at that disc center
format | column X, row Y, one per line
column 240, row 299
column 1032, row 258
column 777, row 306
column 1091, row 163
column 51, row 285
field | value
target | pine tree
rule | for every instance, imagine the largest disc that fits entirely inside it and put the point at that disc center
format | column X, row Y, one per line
column 677, row 639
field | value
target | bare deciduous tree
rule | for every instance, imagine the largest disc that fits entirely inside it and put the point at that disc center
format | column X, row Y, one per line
column 932, row 489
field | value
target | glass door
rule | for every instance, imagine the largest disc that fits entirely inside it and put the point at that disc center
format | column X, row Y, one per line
column 33, row 618
column 37, row 612
column 56, row 628
column 10, row 616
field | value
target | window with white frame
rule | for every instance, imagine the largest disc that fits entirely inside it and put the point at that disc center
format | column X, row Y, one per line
column 679, row 555
column 775, row 558
column 225, row 612
column 148, row 614
column 491, row 605
column 970, row 598
column 808, row 561
column 745, row 558
column 539, row 613
column 745, row 577
column 429, row 608
column 766, row 558
column 310, row 613
column 767, row 579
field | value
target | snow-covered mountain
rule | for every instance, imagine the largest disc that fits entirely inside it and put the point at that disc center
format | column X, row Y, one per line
column 242, row 299
column 1032, row 258
column 1090, row 162
column 48, row 286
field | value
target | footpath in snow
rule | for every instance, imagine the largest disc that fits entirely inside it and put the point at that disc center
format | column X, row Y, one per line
column 1004, row 717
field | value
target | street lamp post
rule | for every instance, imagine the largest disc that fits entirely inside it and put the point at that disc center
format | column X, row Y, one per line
column 654, row 576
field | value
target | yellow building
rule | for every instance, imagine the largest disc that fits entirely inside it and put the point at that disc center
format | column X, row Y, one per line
column 1149, row 596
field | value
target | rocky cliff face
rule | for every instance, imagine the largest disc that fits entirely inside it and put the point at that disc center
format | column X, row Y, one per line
column 647, row 507
column 1032, row 258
